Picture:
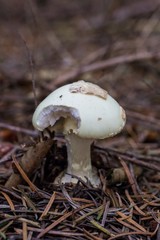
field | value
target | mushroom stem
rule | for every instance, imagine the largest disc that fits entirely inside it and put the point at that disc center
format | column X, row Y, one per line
column 79, row 157
column 79, row 160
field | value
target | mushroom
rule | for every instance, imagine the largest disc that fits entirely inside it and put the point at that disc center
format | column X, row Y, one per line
column 83, row 112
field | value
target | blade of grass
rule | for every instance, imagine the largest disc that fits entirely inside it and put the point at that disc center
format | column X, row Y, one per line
column 126, row 224
column 55, row 223
column 134, row 204
column 55, row 233
column 90, row 235
column 24, row 227
column 88, row 214
column 62, row 218
column 24, row 175
column 120, row 235
column 48, row 206
column 8, row 199
column 102, row 229
column 130, row 220
column 22, row 219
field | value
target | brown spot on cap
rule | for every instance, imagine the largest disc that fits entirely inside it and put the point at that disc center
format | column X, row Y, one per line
column 88, row 88
column 123, row 114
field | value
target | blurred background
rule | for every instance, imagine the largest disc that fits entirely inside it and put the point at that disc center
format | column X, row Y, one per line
column 45, row 44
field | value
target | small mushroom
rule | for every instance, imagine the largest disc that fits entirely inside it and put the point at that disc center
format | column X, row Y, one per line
column 83, row 112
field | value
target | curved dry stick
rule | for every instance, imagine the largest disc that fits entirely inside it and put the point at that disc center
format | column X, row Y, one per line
column 72, row 74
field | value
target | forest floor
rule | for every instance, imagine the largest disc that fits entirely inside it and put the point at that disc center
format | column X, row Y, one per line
column 44, row 45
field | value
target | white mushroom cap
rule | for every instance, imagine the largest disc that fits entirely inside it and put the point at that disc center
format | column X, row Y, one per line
column 88, row 110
